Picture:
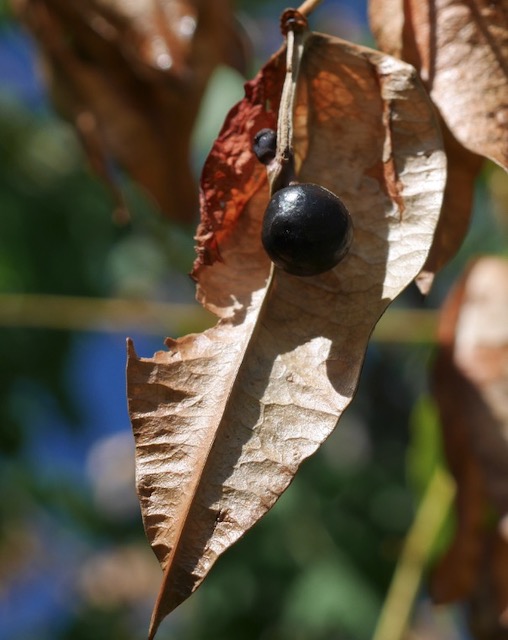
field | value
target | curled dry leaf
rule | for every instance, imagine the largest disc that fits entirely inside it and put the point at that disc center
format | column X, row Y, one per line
column 130, row 77
column 461, row 50
column 471, row 390
column 453, row 225
column 223, row 419
column 442, row 42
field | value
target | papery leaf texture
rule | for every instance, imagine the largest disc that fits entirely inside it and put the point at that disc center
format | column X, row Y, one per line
column 223, row 419
column 424, row 34
column 463, row 169
column 470, row 382
column 130, row 76
column 460, row 48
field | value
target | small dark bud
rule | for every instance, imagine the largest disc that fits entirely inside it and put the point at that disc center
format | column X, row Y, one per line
column 265, row 145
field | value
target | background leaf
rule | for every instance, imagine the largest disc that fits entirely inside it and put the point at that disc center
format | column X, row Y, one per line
column 412, row 31
column 460, row 50
column 470, row 388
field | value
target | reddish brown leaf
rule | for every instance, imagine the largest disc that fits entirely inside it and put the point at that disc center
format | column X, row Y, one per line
column 454, row 577
column 422, row 33
column 456, row 573
column 130, row 76
column 223, row 419
column 499, row 572
column 481, row 353
column 232, row 174
column 471, row 388
column 485, row 610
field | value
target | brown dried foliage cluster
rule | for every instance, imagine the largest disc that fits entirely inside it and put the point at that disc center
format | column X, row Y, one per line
column 460, row 49
column 223, row 419
column 130, row 77
column 470, row 385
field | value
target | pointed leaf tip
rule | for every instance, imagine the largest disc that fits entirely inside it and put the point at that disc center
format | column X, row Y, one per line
column 131, row 351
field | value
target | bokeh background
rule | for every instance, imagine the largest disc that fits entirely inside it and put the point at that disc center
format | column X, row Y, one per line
column 74, row 562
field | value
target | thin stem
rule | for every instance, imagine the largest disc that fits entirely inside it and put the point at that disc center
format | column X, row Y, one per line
column 67, row 313
column 307, row 7
column 295, row 46
column 394, row 619
column 281, row 170
column 287, row 100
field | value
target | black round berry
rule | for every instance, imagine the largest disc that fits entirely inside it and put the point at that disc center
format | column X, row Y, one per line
column 306, row 229
column 265, row 144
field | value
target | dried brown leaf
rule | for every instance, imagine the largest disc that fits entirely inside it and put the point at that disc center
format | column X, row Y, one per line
column 455, row 575
column 471, row 389
column 481, row 354
column 415, row 32
column 460, row 49
column 130, row 77
column 223, row 419
column 488, row 602
column 453, row 225
column 499, row 573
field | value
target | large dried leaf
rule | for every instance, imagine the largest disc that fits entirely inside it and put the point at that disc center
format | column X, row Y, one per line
column 471, row 389
column 415, row 32
column 130, row 76
column 223, row 419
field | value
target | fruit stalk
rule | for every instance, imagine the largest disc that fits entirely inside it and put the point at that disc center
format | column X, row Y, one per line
column 308, row 6
column 281, row 171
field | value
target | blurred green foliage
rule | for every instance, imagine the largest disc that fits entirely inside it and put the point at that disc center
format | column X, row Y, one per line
column 424, row 457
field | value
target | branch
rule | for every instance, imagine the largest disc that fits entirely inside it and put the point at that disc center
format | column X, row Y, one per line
column 308, row 6
column 394, row 618
column 402, row 326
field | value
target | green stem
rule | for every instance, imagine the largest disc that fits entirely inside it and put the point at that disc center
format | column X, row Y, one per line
column 69, row 313
column 400, row 326
column 395, row 616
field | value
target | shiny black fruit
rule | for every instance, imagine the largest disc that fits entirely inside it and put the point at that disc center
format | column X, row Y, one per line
column 306, row 229
column 265, row 145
